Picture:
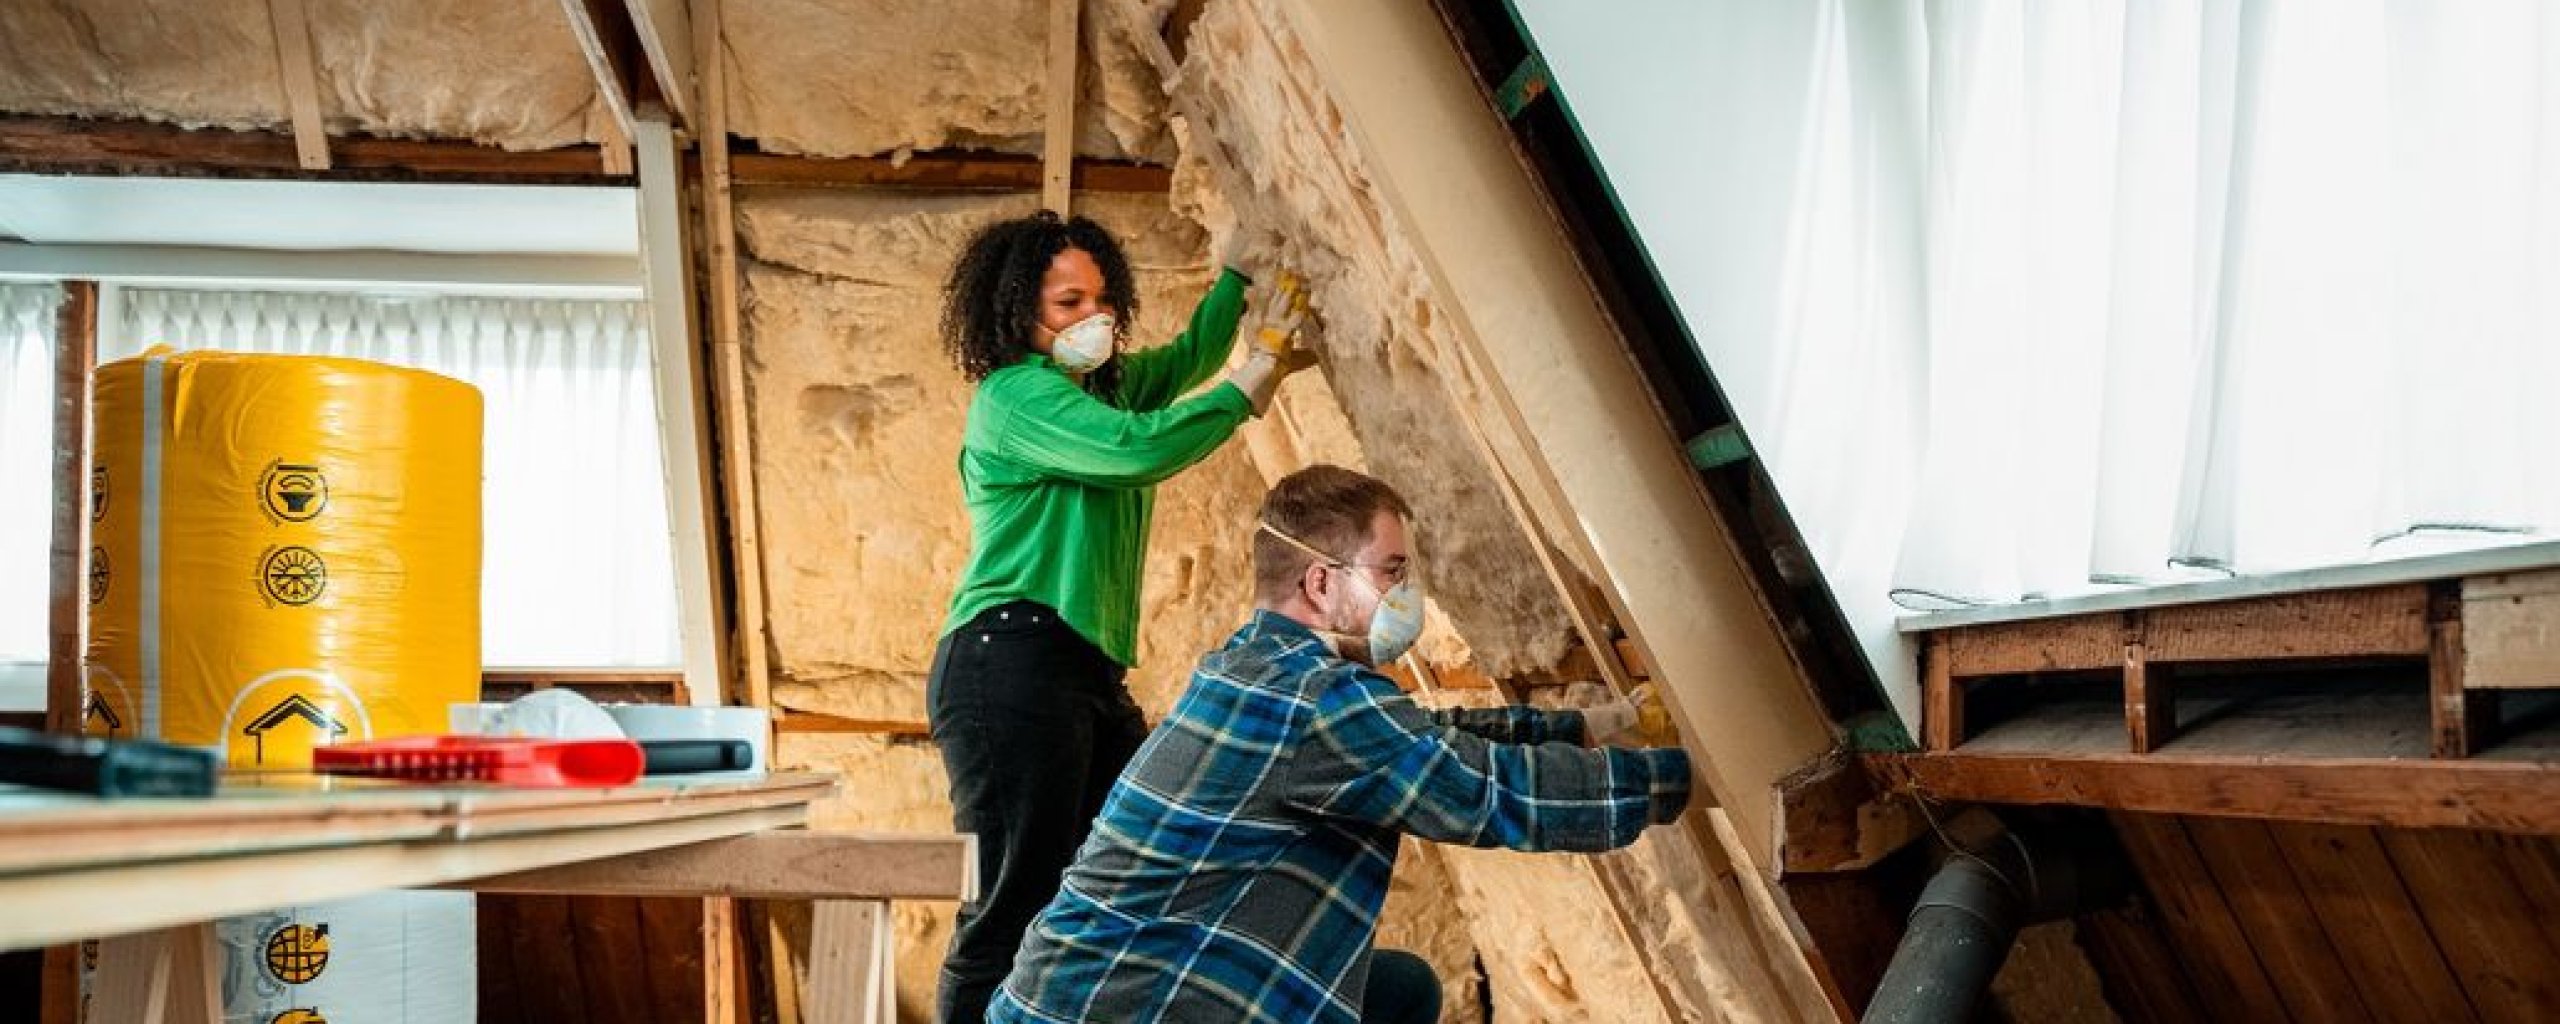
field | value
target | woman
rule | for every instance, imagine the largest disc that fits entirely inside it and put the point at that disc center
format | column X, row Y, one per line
column 1066, row 440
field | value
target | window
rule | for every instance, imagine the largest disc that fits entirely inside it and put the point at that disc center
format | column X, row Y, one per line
column 26, row 462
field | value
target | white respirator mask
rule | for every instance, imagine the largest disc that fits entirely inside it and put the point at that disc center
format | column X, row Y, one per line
column 1084, row 345
column 1394, row 625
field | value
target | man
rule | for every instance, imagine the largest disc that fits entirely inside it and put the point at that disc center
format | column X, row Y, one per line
column 1238, row 866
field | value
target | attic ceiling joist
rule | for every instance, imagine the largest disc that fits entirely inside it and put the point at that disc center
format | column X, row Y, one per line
column 301, row 82
column 114, row 148
column 607, row 40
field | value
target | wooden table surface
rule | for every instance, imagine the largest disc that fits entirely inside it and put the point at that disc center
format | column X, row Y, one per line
column 76, row 867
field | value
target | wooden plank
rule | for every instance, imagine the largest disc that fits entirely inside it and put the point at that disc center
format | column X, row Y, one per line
column 2141, row 977
column 1941, row 697
column 107, row 146
column 2357, row 899
column 2276, row 920
column 2325, row 624
column 2459, row 720
column 2150, row 709
column 677, row 357
column 301, row 82
column 752, row 685
column 2521, row 797
column 75, row 367
column 2511, row 630
column 771, row 865
column 2051, row 645
column 1832, row 817
column 667, row 38
column 501, row 990
column 1058, row 133
column 2534, row 862
column 546, row 956
column 2205, row 933
column 2490, row 937
column 850, row 964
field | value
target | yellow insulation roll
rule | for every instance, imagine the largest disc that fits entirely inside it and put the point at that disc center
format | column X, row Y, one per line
column 288, row 552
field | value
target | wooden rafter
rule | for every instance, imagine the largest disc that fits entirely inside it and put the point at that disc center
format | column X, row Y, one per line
column 990, row 172
column 670, row 43
column 603, row 31
column 300, row 75
column 1058, row 135
column 75, row 366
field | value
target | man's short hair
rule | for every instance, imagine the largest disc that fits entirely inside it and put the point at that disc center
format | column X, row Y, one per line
column 1325, row 507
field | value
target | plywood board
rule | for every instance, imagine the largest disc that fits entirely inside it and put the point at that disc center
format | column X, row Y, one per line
column 2511, row 630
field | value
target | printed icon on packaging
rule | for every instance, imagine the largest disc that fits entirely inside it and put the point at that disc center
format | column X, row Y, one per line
column 297, row 953
column 293, row 575
column 98, row 574
column 97, row 493
column 293, row 493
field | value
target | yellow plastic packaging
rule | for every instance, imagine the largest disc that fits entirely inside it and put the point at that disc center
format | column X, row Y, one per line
column 288, row 552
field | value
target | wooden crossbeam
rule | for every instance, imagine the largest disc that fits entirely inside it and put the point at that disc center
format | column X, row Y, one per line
column 605, row 40
column 984, row 172
column 2500, row 796
column 672, row 46
column 781, row 865
column 301, row 82
column 72, row 145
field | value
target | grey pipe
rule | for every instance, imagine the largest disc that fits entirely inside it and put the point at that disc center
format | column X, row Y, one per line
column 1969, row 916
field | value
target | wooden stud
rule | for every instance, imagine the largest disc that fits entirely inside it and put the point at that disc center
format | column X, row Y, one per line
column 2502, row 796
column 2268, row 904
column 852, row 965
column 301, row 82
column 75, row 369
column 2357, row 898
column 1058, row 137
column 2205, row 933
column 753, row 683
column 2461, row 719
column 677, row 354
column 1941, row 697
column 720, row 993
column 2150, row 709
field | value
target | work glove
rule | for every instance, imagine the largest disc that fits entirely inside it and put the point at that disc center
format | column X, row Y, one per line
column 1272, row 353
column 1619, row 721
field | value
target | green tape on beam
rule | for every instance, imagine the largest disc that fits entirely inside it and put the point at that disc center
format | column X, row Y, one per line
column 1717, row 448
column 1527, row 83
column 1879, row 732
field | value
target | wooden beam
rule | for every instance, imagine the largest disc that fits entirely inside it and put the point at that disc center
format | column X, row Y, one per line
column 720, row 990
column 2460, row 720
column 70, row 145
column 853, row 976
column 752, row 684
column 75, row 508
column 972, row 172
column 1058, row 134
column 2499, row 796
column 670, row 43
column 301, row 82
column 1833, row 817
column 1941, row 697
column 784, row 865
column 2150, row 708
column 601, row 29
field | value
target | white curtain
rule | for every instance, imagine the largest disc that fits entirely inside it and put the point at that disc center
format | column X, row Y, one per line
column 2233, row 287
column 26, row 464
column 578, row 567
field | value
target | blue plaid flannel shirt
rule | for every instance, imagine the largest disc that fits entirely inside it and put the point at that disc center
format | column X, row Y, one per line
column 1237, row 869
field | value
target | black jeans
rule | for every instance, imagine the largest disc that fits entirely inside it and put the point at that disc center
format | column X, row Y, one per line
column 1402, row 990
column 1034, row 724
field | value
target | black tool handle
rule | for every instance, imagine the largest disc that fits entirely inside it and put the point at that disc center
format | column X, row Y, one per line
column 687, row 757
column 98, row 767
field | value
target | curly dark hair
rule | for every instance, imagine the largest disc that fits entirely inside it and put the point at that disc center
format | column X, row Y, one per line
column 991, row 303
